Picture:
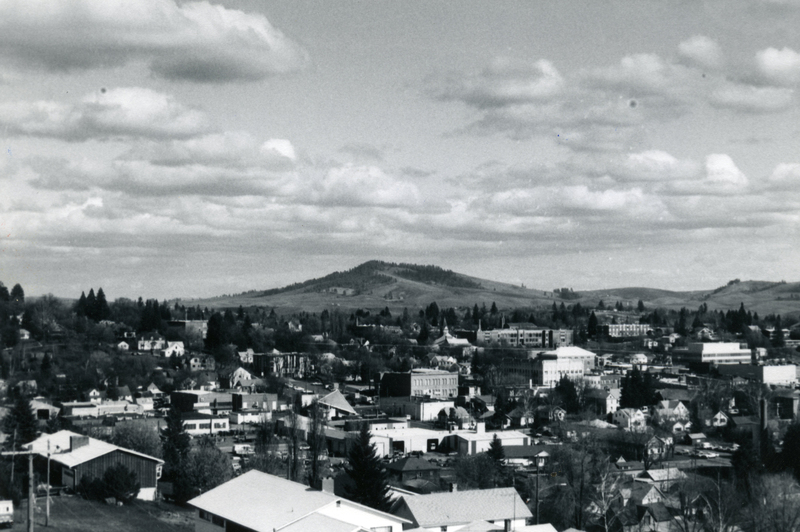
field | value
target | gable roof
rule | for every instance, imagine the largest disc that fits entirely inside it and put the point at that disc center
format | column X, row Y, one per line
column 274, row 503
column 660, row 475
column 336, row 400
column 441, row 509
column 60, row 445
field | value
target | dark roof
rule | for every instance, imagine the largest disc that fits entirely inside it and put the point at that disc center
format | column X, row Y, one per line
column 411, row 463
column 659, row 512
column 525, row 451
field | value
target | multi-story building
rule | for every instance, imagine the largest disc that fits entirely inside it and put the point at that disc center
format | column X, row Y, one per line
column 526, row 335
column 627, row 330
column 420, row 382
column 717, row 353
column 282, row 364
column 547, row 368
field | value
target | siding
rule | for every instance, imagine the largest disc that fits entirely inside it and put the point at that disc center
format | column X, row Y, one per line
column 145, row 469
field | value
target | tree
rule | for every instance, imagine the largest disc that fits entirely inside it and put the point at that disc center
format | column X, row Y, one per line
column 496, row 452
column 778, row 340
column 120, row 483
column 175, row 443
column 137, row 437
column 4, row 295
column 791, row 449
column 102, row 312
column 591, row 328
column 370, row 486
column 205, row 468
column 91, row 305
column 17, row 294
column 475, row 472
column 20, row 422
column 316, row 443
column 567, row 394
column 640, row 306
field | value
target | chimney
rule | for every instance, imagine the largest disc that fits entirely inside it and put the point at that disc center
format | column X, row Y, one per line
column 480, row 427
column 76, row 442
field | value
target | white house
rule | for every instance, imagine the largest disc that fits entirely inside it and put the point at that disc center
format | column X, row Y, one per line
column 174, row 349
column 123, row 346
column 454, row 510
column 154, row 343
column 258, row 502
column 630, row 419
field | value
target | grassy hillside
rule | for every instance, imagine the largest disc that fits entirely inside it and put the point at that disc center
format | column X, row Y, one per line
column 378, row 284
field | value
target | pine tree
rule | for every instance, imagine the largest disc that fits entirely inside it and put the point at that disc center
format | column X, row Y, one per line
column 496, row 451
column 4, row 295
column 80, row 306
column 17, row 294
column 370, row 484
column 175, row 443
column 591, row 328
column 20, row 422
column 91, row 305
column 103, row 312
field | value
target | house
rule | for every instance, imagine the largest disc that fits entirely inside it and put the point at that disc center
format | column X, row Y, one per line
column 123, row 346
column 274, row 504
column 411, row 468
column 663, row 478
column 246, row 357
column 202, row 363
column 520, row 417
column 633, row 517
column 198, row 424
column 439, row 511
column 667, row 411
column 73, row 457
column 713, row 420
column 155, row 342
column 640, row 493
column 602, row 402
column 630, row 419
column 174, row 349
column 526, row 455
column 696, row 439
column 544, row 413
column 239, row 375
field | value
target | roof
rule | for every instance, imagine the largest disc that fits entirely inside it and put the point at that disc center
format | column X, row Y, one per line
column 659, row 512
column 675, row 394
column 336, row 400
column 411, row 463
column 660, row 475
column 274, row 503
column 441, row 509
column 60, row 449
column 524, row 451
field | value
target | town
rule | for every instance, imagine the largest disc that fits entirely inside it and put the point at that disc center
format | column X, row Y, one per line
column 617, row 416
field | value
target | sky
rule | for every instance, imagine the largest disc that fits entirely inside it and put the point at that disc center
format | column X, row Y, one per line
column 189, row 149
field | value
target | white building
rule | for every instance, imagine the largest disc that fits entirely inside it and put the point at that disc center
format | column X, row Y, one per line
column 174, row 349
column 719, row 353
column 630, row 419
column 258, row 502
column 785, row 375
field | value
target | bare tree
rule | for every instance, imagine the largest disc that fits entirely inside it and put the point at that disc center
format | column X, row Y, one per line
column 316, row 442
column 774, row 506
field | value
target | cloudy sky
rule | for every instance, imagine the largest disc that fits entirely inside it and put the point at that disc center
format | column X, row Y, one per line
column 171, row 149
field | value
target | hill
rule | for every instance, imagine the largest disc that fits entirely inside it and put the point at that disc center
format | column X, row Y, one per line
column 377, row 284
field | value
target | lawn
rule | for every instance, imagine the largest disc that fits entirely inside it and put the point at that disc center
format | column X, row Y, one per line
column 74, row 514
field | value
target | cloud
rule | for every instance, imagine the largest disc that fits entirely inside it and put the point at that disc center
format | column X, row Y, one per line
column 194, row 41
column 701, row 51
column 779, row 66
column 121, row 112
column 280, row 147
column 721, row 178
column 362, row 150
column 752, row 99
column 656, row 165
column 351, row 185
column 785, row 176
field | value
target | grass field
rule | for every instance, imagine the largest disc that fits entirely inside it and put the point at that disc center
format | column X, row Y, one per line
column 74, row 514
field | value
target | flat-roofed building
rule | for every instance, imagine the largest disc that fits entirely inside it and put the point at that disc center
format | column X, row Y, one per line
column 717, row 353
column 785, row 375
column 526, row 335
column 419, row 383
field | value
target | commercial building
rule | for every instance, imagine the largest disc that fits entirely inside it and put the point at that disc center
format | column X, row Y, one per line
column 627, row 330
column 785, row 375
column 547, row 368
column 526, row 335
column 419, row 383
column 715, row 353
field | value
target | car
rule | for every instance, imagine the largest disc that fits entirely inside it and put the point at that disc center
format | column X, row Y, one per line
column 682, row 450
column 709, row 454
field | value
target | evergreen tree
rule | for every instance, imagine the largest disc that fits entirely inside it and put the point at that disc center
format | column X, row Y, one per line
column 680, row 328
column 91, row 305
column 103, row 312
column 779, row 340
column 496, row 452
column 17, row 294
column 591, row 328
column 494, row 308
column 4, row 295
column 175, row 443
column 370, row 483
column 80, row 306
column 20, row 422
column 568, row 395
column 640, row 306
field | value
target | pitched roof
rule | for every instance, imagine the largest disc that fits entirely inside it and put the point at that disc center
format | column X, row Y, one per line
column 669, row 473
column 316, row 522
column 336, row 400
column 60, row 445
column 441, row 509
column 274, row 503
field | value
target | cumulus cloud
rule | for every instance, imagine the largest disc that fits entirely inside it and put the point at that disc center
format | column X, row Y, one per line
column 195, row 41
column 752, row 99
column 779, row 66
column 351, row 185
column 656, row 165
column 785, row 176
column 120, row 112
column 701, row 51
column 721, row 178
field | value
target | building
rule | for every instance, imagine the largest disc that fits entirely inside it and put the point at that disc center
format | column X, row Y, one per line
column 201, row 424
column 155, row 342
column 630, row 418
column 717, row 353
column 419, row 383
column 202, row 401
column 602, row 402
column 411, row 468
column 73, row 457
column 258, row 502
column 627, row 330
column 281, row 364
column 472, row 442
column 174, row 349
column 194, row 327
column 785, row 375
column 453, row 510
column 525, row 335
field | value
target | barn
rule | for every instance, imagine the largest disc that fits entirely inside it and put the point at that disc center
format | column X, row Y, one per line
column 73, row 456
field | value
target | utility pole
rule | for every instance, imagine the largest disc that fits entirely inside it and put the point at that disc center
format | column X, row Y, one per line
column 31, row 489
column 47, row 487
